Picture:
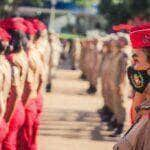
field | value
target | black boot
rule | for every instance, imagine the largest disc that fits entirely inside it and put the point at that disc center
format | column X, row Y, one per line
column 107, row 117
column 92, row 90
column 118, row 130
column 106, row 114
column 112, row 125
column 48, row 87
column 103, row 110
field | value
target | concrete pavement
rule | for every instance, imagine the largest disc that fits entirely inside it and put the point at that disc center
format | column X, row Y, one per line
column 70, row 120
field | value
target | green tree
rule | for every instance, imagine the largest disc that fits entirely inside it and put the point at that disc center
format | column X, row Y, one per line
column 7, row 7
column 85, row 3
column 36, row 3
column 118, row 11
column 140, row 6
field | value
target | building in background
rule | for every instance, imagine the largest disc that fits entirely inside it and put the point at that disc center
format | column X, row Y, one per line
column 71, row 16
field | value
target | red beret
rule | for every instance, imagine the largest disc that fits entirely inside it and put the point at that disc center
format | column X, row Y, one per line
column 17, row 26
column 4, row 23
column 17, row 19
column 140, row 36
column 30, row 28
column 38, row 25
column 23, row 25
column 4, row 35
column 13, row 24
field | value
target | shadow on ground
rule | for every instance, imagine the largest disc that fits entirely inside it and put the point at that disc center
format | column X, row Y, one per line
column 73, row 124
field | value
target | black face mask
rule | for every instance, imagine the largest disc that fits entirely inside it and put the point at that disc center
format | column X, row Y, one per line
column 139, row 79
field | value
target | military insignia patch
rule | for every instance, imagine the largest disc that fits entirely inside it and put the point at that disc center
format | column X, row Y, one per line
column 138, row 79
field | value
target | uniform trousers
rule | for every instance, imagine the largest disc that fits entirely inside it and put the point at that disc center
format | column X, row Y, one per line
column 16, row 122
column 3, row 131
column 25, row 136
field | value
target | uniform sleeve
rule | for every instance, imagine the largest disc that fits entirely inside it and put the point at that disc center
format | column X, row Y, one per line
column 2, row 105
column 16, row 73
column 122, row 67
column 30, row 76
column 16, row 79
column 1, row 81
column 31, row 71
column 123, row 63
column 7, row 82
column 17, row 62
column 32, row 65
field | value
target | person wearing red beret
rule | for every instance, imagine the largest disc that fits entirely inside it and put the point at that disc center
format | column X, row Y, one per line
column 5, row 82
column 138, row 135
column 15, row 113
column 41, row 67
column 140, row 37
column 43, row 45
column 26, row 131
column 31, row 97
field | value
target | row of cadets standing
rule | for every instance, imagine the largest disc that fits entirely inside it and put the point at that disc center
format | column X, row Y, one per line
column 113, row 71
column 24, row 102
column 106, row 57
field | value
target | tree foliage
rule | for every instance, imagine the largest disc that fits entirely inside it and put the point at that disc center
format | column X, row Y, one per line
column 118, row 11
column 7, row 6
column 85, row 3
column 37, row 3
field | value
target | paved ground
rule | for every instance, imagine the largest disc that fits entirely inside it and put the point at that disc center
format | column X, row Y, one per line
column 70, row 120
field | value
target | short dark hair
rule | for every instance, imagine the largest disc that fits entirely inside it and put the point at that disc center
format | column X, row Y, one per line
column 1, row 47
column 19, row 39
column 37, row 35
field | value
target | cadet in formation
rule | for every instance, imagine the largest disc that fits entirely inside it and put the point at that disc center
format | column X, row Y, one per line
column 138, row 136
column 24, row 69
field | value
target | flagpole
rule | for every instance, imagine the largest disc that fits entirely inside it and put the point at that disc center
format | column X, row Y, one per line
column 52, row 15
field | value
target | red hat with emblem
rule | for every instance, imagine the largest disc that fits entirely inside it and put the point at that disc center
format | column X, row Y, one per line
column 140, row 36
column 4, row 35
